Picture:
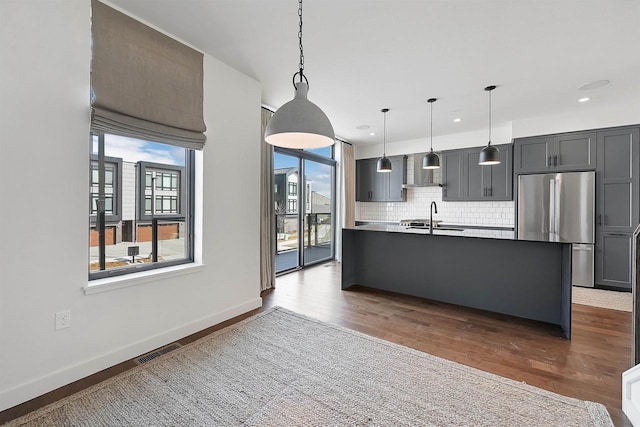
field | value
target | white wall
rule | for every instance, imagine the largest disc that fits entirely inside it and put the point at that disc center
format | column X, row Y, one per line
column 44, row 125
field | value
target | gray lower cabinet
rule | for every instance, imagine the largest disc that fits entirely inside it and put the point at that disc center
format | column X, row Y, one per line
column 555, row 153
column 613, row 260
column 617, row 204
column 373, row 186
column 464, row 179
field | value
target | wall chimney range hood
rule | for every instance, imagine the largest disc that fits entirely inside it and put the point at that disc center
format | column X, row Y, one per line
column 423, row 177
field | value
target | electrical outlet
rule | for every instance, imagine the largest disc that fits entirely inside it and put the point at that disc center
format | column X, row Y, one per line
column 63, row 319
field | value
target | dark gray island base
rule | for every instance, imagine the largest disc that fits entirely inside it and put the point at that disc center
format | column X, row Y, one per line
column 522, row 278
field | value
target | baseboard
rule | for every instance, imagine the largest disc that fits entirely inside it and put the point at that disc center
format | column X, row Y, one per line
column 39, row 386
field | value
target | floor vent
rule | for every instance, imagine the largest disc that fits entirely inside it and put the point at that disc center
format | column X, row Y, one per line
column 156, row 353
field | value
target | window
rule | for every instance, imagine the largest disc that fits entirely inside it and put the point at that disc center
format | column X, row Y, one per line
column 166, row 204
column 108, row 174
column 147, row 193
column 112, row 184
column 108, row 203
column 292, row 206
column 293, row 188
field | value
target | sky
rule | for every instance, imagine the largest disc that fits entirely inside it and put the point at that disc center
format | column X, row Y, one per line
column 135, row 150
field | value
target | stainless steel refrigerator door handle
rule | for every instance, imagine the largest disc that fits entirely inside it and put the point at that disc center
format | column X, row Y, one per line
column 552, row 206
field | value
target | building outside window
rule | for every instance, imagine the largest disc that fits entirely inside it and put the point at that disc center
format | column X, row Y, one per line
column 293, row 188
column 145, row 185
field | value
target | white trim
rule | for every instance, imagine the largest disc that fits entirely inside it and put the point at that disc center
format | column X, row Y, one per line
column 39, row 386
column 631, row 394
column 118, row 282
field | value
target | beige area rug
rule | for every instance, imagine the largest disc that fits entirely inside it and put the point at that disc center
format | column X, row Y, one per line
column 613, row 300
column 283, row 369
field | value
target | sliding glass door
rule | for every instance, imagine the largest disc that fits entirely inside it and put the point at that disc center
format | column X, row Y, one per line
column 318, row 215
column 286, row 170
column 304, row 187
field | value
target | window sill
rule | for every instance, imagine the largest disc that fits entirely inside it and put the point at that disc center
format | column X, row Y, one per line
column 111, row 283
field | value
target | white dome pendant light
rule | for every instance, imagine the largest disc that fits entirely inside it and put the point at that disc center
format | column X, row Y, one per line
column 300, row 123
column 489, row 155
column 431, row 159
column 384, row 164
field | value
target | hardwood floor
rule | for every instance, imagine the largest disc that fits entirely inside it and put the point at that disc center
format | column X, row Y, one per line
column 588, row 367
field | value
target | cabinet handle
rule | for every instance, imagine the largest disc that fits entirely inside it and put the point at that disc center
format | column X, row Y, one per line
column 490, row 191
column 600, row 220
column 549, row 161
column 484, row 191
column 555, row 160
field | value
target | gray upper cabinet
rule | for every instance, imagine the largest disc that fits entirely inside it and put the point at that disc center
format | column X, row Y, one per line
column 617, row 204
column 555, row 153
column 477, row 183
column 474, row 176
column 533, row 154
column 499, row 185
column 452, row 163
column 364, row 180
column 397, row 179
column 487, row 183
column 373, row 186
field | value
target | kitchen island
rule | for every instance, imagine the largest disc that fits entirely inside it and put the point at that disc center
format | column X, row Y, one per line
column 484, row 269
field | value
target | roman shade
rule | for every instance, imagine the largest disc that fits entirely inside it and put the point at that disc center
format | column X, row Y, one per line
column 144, row 84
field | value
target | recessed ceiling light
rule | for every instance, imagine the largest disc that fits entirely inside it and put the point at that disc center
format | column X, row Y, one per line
column 594, row 85
column 372, row 134
column 363, row 127
column 583, row 99
column 457, row 120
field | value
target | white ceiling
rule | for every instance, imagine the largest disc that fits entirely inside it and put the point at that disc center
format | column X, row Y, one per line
column 364, row 55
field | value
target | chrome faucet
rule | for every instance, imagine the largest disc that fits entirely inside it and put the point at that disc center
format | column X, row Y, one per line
column 433, row 206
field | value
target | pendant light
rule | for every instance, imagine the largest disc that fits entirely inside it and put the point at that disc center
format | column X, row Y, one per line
column 489, row 155
column 431, row 159
column 384, row 164
column 300, row 123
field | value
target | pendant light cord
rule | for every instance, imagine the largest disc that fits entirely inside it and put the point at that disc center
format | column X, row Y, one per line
column 301, row 64
column 431, row 128
column 489, row 117
column 384, row 134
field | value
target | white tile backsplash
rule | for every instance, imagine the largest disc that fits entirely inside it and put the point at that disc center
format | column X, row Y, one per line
column 419, row 200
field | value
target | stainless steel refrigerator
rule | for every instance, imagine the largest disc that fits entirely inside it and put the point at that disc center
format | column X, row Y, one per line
column 560, row 207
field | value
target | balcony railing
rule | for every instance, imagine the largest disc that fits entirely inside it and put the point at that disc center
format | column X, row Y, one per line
column 317, row 230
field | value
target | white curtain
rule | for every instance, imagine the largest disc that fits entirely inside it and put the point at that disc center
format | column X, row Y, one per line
column 346, row 189
column 267, row 217
column 349, row 172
